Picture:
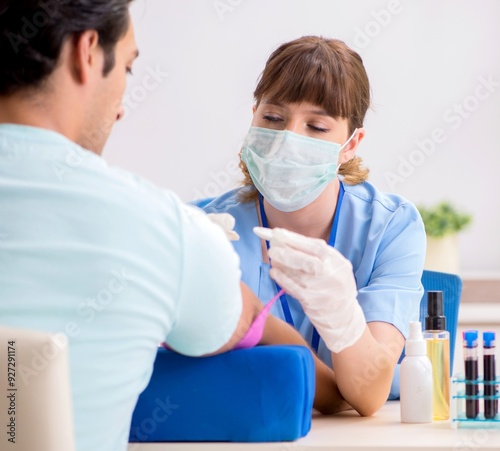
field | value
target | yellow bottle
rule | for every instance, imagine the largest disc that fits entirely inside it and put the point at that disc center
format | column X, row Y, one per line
column 438, row 351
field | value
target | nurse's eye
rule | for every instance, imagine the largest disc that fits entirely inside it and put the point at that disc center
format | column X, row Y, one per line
column 269, row 118
column 318, row 129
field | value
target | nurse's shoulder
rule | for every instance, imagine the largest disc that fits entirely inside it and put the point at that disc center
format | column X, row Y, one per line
column 245, row 216
column 229, row 202
column 366, row 198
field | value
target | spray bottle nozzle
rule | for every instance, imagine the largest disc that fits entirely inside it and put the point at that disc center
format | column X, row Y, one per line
column 415, row 344
column 435, row 319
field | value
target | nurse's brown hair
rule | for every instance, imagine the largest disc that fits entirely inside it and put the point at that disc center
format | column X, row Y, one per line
column 324, row 72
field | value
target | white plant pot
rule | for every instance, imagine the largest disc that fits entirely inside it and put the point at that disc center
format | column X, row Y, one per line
column 443, row 254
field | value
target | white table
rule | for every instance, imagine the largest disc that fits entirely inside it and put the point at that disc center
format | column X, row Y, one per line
column 349, row 432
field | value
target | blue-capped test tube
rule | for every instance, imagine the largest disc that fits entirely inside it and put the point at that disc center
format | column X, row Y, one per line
column 490, row 388
column 471, row 373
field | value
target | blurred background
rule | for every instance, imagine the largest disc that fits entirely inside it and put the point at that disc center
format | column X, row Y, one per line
column 432, row 133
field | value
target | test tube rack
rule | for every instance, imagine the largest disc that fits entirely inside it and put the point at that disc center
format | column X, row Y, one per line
column 459, row 398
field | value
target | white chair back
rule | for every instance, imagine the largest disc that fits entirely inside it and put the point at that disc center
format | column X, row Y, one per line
column 35, row 382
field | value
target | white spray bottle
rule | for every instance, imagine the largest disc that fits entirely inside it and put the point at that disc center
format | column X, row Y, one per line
column 416, row 379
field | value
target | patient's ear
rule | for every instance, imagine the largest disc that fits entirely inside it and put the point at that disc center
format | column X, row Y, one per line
column 87, row 55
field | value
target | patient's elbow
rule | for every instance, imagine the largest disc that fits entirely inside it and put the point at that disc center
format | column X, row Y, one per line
column 369, row 409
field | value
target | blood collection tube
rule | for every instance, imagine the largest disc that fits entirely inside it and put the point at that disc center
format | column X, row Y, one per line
column 490, row 389
column 471, row 373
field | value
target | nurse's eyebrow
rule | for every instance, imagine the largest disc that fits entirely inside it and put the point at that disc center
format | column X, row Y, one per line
column 271, row 102
column 320, row 112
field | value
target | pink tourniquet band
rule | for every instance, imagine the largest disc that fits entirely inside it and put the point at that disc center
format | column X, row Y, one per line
column 254, row 334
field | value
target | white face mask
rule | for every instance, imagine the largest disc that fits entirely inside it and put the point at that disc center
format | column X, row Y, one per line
column 288, row 169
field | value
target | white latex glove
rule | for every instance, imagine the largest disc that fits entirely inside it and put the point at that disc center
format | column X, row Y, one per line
column 226, row 222
column 321, row 279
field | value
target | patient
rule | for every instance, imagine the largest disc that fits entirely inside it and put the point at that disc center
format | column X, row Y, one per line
column 92, row 253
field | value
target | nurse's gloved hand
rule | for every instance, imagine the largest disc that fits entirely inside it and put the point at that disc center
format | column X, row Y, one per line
column 321, row 279
column 226, row 222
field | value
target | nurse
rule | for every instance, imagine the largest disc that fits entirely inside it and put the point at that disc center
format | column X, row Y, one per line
column 349, row 257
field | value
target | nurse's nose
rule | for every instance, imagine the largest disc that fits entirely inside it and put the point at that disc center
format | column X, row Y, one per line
column 295, row 126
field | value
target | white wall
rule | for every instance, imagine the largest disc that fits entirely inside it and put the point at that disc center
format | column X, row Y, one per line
column 424, row 59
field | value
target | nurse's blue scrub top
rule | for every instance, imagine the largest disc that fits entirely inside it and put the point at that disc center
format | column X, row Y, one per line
column 381, row 234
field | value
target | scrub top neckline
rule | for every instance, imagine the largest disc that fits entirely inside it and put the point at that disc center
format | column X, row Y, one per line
column 331, row 242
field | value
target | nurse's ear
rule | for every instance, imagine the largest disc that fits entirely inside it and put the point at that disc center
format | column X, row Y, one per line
column 254, row 108
column 347, row 153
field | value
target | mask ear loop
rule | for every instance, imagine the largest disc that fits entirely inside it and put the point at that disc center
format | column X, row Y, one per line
column 343, row 145
column 350, row 137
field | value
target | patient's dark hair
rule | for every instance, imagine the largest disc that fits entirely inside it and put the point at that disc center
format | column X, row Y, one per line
column 32, row 34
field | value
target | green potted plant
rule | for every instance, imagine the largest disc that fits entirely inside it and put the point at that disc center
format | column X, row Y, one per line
column 442, row 223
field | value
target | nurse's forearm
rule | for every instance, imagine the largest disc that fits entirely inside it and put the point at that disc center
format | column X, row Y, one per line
column 328, row 398
column 365, row 370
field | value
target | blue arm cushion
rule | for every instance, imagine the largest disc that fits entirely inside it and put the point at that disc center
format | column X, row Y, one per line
column 261, row 394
